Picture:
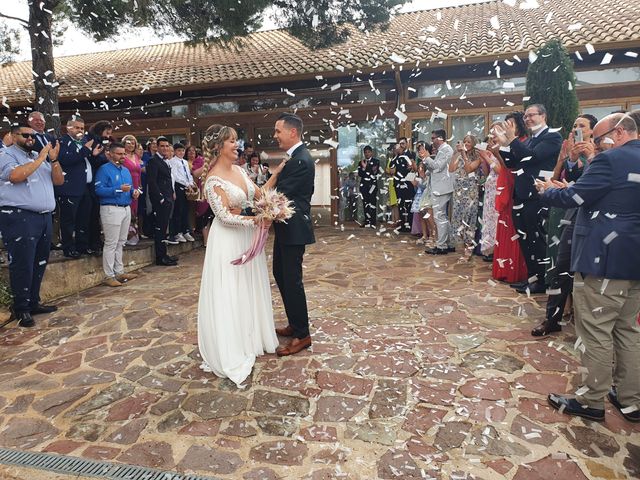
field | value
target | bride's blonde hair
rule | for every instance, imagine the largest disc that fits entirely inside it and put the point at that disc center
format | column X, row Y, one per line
column 214, row 138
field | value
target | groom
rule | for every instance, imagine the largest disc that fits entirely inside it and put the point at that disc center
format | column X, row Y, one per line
column 296, row 182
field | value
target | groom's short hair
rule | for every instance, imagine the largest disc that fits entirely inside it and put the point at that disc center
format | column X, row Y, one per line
column 292, row 121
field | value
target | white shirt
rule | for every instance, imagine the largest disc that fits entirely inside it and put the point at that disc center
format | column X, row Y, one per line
column 180, row 172
column 293, row 149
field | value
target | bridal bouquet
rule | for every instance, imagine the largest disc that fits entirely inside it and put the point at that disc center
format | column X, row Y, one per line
column 272, row 206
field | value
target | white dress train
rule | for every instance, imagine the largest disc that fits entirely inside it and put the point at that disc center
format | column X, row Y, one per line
column 235, row 314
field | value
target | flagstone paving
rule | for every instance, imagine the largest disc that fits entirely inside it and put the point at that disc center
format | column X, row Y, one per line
column 420, row 368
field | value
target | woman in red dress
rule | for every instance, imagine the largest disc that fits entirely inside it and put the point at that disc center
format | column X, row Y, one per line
column 508, row 261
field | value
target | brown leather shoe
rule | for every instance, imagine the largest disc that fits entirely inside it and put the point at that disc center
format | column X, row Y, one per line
column 296, row 345
column 285, row 332
column 126, row 277
column 112, row 282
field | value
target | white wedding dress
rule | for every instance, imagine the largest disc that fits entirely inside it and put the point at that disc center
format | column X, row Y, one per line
column 235, row 314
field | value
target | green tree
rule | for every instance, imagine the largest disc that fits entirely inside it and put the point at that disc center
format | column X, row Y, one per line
column 317, row 23
column 551, row 81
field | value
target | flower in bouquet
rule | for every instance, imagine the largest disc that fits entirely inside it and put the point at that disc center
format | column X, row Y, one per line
column 272, row 206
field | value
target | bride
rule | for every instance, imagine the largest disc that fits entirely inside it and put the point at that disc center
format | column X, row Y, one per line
column 235, row 315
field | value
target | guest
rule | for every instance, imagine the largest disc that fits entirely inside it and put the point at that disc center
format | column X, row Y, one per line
column 489, row 212
column 204, row 214
column 441, row 191
column 400, row 167
column 350, row 197
column 606, row 258
column 179, row 227
column 161, row 194
column 133, row 163
column 418, row 223
column 429, row 232
column 256, row 172
column 537, row 154
column 114, row 188
column 508, row 261
column 101, row 134
column 37, row 122
column 369, row 171
column 392, row 200
column 571, row 163
column 74, row 196
column 26, row 203
column 404, row 149
column 144, row 201
column 464, row 163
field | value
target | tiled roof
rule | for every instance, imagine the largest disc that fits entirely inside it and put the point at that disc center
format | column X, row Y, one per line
column 489, row 30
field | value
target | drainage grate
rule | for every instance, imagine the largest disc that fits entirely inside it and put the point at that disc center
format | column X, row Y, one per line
column 89, row 468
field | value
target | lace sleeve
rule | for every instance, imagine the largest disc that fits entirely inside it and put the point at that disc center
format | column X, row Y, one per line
column 219, row 208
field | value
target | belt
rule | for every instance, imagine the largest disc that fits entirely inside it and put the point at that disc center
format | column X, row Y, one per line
column 112, row 205
column 19, row 209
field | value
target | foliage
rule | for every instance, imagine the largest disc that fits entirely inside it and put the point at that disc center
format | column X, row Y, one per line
column 9, row 40
column 317, row 23
column 551, row 81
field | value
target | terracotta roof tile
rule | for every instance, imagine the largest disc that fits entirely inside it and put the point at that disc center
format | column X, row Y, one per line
column 445, row 35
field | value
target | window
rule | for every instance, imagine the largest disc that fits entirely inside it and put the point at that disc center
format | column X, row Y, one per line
column 217, row 107
column 601, row 111
column 587, row 78
column 463, row 125
column 450, row 88
column 497, row 117
column 421, row 129
column 179, row 110
column 352, row 139
column 634, row 107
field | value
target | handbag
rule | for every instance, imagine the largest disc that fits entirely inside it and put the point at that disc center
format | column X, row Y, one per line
column 192, row 193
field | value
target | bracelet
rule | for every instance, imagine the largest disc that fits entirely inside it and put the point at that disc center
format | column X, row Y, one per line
column 54, row 161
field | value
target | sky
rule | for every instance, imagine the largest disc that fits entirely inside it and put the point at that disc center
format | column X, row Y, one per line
column 75, row 42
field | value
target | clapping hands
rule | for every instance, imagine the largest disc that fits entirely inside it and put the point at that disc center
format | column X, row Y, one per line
column 543, row 186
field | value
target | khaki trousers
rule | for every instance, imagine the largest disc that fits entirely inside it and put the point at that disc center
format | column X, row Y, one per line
column 115, row 226
column 607, row 322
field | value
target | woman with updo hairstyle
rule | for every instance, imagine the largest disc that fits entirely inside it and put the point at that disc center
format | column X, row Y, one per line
column 235, row 314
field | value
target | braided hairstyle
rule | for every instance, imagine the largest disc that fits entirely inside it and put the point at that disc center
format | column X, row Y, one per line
column 214, row 138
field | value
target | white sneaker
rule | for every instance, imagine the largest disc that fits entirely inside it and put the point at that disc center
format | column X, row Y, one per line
column 171, row 241
column 188, row 237
column 179, row 237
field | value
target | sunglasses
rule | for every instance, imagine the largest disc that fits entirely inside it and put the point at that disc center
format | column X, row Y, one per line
column 27, row 135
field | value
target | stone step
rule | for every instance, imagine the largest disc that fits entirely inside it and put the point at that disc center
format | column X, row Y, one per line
column 66, row 276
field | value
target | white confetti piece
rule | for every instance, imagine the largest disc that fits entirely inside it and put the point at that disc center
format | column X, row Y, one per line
column 634, row 177
column 630, row 409
column 631, row 54
column 582, row 390
column 590, row 49
column 606, row 60
column 609, row 238
column 578, row 199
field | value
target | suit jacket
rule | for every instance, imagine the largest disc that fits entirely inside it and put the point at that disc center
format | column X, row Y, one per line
column 441, row 179
column 606, row 238
column 296, row 181
column 159, row 181
column 527, row 159
column 42, row 139
column 369, row 176
column 73, row 162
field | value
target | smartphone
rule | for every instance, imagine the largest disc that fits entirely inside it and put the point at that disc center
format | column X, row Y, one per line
column 577, row 135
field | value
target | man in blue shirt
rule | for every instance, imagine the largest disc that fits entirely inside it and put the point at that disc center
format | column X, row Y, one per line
column 114, row 190
column 26, row 203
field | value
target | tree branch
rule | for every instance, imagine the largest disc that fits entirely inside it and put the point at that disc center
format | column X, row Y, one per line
column 24, row 22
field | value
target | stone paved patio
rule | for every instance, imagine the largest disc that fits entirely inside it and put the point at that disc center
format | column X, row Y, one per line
column 421, row 368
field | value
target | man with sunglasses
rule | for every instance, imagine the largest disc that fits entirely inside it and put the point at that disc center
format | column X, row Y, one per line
column 531, row 159
column 26, row 202
column 605, row 255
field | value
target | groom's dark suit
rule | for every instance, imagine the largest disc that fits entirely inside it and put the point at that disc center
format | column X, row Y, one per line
column 296, row 181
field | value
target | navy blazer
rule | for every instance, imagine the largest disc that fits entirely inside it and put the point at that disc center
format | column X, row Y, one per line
column 606, row 237
column 526, row 159
column 296, row 181
column 159, row 181
column 72, row 160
